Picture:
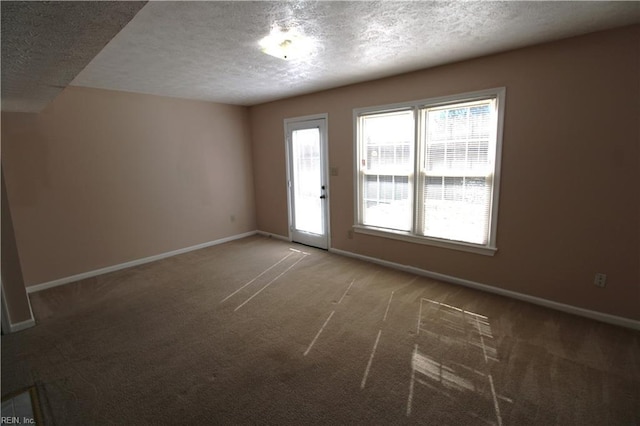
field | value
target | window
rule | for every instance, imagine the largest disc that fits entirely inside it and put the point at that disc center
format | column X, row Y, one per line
column 427, row 171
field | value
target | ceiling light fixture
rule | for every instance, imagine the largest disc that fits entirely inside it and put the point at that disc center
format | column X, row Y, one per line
column 286, row 43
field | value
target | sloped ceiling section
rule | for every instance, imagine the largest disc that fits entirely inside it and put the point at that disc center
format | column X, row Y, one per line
column 46, row 44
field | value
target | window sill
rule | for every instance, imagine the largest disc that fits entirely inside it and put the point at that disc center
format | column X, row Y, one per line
column 404, row 236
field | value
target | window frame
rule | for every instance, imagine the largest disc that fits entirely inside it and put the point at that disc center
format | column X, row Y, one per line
column 490, row 248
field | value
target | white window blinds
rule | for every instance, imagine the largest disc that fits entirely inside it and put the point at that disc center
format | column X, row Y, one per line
column 387, row 168
column 456, row 173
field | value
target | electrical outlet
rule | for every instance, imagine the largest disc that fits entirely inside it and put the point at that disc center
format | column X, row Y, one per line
column 600, row 280
column 232, row 218
column 350, row 234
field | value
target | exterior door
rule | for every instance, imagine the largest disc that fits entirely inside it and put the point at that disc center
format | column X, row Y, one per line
column 307, row 180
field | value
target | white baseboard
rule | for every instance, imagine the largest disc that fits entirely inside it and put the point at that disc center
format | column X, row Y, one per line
column 275, row 236
column 19, row 326
column 7, row 325
column 608, row 318
column 66, row 280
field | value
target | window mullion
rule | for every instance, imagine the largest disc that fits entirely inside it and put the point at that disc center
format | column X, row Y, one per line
column 418, row 178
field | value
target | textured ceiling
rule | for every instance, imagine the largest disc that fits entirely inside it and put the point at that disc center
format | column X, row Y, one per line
column 46, row 44
column 210, row 51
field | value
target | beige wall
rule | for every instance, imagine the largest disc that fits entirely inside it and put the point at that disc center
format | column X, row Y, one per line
column 569, row 203
column 100, row 178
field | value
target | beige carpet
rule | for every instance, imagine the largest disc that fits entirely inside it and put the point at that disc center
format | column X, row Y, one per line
column 252, row 332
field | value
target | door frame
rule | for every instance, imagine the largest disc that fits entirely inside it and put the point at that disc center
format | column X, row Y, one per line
column 324, row 143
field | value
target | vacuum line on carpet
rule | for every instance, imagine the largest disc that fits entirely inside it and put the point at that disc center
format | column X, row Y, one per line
column 388, row 305
column 413, row 376
column 268, row 284
column 419, row 319
column 373, row 352
column 345, row 293
column 319, row 332
column 261, row 274
column 298, row 251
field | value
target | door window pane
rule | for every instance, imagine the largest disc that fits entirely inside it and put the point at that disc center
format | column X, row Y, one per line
column 307, row 179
